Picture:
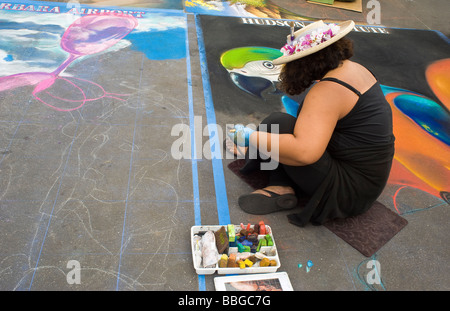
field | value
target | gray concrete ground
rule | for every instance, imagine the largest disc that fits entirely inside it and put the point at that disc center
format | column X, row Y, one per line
column 99, row 186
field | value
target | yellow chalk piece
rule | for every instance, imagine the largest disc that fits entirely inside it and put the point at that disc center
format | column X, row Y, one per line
column 265, row 262
column 241, row 264
column 248, row 262
column 223, row 262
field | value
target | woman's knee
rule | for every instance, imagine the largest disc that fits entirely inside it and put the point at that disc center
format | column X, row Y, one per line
column 278, row 122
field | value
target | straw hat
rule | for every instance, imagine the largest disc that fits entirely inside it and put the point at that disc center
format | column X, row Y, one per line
column 311, row 39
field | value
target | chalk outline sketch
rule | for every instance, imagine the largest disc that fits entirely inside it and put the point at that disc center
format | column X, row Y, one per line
column 142, row 176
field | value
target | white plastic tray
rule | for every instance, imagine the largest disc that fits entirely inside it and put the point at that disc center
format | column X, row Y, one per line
column 254, row 269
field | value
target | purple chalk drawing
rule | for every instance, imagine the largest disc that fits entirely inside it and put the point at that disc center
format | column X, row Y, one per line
column 87, row 35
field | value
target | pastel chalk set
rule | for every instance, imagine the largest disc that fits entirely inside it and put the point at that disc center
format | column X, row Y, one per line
column 234, row 249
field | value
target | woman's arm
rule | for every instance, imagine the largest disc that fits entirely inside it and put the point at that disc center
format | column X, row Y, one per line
column 324, row 105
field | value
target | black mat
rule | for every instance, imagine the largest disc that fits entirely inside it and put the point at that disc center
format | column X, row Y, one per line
column 367, row 232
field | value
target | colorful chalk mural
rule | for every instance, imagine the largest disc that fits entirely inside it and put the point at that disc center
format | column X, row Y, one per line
column 421, row 123
column 87, row 35
column 76, row 34
column 251, row 70
column 249, row 8
column 422, row 131
column 88, row 95
column 155, row 4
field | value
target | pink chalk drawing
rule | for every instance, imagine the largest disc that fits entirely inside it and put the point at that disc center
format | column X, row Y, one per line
column 87, row 35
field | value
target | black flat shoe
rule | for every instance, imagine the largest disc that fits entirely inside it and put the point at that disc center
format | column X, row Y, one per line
column 260, row 204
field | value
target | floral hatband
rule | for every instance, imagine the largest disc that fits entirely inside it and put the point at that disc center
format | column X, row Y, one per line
column 310, row 40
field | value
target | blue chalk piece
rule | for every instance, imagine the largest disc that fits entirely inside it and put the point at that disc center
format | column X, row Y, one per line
column 299, row 265
column 247, row 243
column 309, row 264
column 240, row 247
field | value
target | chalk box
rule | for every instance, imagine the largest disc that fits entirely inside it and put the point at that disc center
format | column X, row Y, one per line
column 254, row 269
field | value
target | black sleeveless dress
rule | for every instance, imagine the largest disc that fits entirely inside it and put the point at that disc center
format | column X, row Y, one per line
column 355, row 167
column 361, row 150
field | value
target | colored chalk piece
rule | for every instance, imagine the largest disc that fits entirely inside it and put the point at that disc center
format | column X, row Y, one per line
column 259, row 256
column 265, row 262
column 240, row 247
column 232, row 261
column 248, row 262
column 253, row 258
column 256, row 228
column 262, row 242
column 223, row 262
column 253, row 238
column 309, row 264
column 231, row 233
column 241, row 264
column 247, row 243
column 269, row 240
column 262, row 228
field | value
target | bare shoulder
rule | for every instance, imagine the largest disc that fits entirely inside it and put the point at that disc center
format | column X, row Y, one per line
column 355, row 75
column 323, row 100
column 328, row 94
column 331, row 98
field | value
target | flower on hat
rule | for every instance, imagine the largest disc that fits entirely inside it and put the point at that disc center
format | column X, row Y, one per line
column 308, row 41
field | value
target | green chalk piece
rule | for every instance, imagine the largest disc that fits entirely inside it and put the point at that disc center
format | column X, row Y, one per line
column 262, row 242
column 231, row 233
column 269, row 240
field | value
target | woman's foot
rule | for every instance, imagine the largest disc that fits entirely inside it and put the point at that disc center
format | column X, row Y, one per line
column 280, row 190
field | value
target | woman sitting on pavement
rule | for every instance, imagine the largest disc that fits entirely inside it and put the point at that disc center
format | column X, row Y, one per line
column 338, row 151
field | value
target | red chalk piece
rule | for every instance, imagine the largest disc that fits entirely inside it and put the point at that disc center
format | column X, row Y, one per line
column 262, row 228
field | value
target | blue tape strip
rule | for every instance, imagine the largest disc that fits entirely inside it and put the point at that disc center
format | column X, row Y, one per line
column 219, row 178
column 195, row 188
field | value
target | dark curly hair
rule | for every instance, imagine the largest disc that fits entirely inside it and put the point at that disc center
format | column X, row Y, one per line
column 298, row 75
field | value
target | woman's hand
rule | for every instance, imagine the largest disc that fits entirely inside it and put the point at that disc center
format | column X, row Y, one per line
column 240, row 135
